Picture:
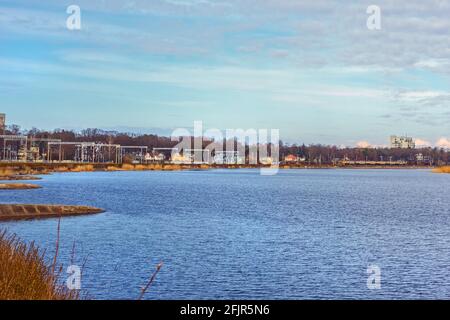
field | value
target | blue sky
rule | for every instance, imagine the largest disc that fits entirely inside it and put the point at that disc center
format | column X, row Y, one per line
column 309, row 68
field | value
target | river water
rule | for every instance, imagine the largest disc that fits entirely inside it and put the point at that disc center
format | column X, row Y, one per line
column 234, row 234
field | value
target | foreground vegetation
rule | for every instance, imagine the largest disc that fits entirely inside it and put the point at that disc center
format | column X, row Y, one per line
column 24, row 275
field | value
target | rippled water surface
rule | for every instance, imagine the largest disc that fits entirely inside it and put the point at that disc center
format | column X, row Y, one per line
column 302, row 234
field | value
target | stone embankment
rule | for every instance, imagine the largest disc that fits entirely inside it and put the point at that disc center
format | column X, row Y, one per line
column 12, row 212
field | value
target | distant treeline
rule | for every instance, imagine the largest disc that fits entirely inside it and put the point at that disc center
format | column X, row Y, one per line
column 314, row 153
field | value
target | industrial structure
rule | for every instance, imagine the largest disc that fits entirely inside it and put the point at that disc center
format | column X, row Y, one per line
column 14, row 147
column 22, row 148
column 137, row 153
column 84, row 152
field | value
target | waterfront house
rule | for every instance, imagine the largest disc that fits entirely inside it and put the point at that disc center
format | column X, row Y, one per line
column 291, row 158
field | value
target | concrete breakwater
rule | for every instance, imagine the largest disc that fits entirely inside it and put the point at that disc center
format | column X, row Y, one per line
column 12, row 212
column 18, row 186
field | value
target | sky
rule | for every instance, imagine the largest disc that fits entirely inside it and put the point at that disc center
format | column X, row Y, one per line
column 312, row 69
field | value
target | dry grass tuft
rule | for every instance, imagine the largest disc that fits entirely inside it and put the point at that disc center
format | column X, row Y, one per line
column 442, row 169
column 128, row 167
column 24, row 274
column 6, row 172
column 83, row 168
column 113, row 168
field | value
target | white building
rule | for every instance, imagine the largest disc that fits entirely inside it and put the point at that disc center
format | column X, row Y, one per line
column 402, row 142
column 228, row 157
column 178, row 158
column 154, row 156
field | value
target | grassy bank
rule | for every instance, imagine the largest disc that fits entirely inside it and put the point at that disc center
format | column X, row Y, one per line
column 24, row 275
column 442, row 170
column 10, row 170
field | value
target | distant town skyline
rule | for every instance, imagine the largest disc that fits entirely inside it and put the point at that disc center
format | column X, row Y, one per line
column 311, row 69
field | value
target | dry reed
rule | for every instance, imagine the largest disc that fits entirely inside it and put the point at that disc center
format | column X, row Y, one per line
column 25, row 275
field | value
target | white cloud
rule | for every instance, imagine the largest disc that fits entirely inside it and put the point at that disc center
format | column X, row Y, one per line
column 241, row 44
column 283, row 84
column 308, row 33
column 421, row 143
column 363, row 144
column 190, row 3
column 420, row 96
column 433, row 63
column 443, row 143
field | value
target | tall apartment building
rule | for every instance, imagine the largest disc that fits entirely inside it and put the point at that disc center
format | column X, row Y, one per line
column 402, row 143
column 2, row 123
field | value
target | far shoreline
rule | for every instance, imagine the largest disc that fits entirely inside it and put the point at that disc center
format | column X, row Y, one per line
column 20, row 170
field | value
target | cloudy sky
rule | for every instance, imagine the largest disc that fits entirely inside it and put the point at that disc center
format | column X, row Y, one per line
column 309, row 68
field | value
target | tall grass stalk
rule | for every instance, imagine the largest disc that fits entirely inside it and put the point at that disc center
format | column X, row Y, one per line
column 152, row 279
